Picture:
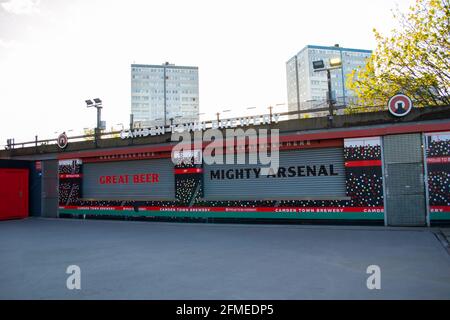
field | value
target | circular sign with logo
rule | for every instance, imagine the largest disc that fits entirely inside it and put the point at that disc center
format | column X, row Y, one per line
column 62, row 140
column 400, row 105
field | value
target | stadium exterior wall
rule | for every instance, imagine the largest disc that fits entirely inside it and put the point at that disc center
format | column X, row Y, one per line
column 357, row 160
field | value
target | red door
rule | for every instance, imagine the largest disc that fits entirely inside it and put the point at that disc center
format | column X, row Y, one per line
column 13, row 193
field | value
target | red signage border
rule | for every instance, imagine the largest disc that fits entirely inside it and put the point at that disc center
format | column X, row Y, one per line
column 233, row 209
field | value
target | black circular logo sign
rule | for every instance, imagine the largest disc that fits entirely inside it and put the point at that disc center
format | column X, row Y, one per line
column 400, row 105
column 62, row 140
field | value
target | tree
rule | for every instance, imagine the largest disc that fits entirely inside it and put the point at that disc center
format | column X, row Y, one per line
column 87, row 132
column 115, row 134
column 91, row 132
column 414, row 60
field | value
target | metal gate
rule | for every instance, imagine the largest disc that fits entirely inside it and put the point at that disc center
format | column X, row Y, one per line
column 404, row 180
column 50, row 192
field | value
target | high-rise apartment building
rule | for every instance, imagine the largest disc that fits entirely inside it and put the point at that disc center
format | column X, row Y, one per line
column 308, row 89
column 164, row 94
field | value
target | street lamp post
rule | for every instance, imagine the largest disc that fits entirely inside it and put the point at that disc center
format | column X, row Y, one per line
column 97, row 103
column 131, row 121
column 166, row 77
column 165, row 94
column 342, row 75
column 318, row 66
column 329, row 95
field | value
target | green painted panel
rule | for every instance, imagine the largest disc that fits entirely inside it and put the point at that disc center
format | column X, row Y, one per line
column 440, row 216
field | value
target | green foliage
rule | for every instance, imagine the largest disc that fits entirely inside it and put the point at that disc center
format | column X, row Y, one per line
column 414, row 60
column 89, row 132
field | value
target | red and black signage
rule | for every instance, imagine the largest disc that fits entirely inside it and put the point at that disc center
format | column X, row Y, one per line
column 62, row 140
column 400, row 105
column 438, row 167
column 282, row 172
column 130, row 178
column 146, row 184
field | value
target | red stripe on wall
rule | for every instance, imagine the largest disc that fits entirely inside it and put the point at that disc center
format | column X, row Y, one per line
column 152, row 152
column 438, row 160
column 112, row 208
column 440, row 208
column 325, row 135
column 69, row 176
column 232, row 209
column 363, row 163
column 188, row 171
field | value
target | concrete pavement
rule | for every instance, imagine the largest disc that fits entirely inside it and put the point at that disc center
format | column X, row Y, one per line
column 147, row 260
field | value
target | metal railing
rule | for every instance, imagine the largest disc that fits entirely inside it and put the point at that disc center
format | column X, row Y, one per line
column 282, row 116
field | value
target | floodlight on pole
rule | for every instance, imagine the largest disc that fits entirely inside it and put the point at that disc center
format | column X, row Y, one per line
column 319, row 64
column 335, row 63
column 131, row 121
column 100, row 124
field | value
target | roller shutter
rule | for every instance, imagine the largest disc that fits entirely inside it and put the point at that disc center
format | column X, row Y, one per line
column 304, row 184
column 147, row 180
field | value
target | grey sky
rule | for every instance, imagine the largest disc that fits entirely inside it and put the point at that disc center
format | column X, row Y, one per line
column 55, row 54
